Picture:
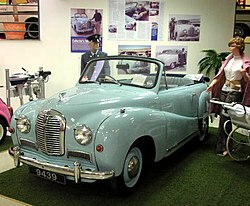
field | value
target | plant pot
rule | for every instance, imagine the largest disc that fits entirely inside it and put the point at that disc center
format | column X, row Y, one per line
column 14, row 30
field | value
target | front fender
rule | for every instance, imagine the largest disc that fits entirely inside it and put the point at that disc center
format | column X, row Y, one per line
column 118, row 133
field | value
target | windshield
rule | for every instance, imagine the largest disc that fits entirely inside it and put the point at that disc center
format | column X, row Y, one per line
column 134, row 72
column 184, row 22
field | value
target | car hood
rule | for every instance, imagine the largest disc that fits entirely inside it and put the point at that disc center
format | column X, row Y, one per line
column 91, row 104
column 99, row 94
column 184, row 26
column 90, row 101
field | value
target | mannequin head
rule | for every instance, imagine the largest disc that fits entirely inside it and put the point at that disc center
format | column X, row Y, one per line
column 94, row 42
column 236, row 45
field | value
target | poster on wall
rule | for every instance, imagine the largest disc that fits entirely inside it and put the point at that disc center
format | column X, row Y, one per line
column 135, row 50
column 19, row 20
column 184, row 27
column 174, row 57
column 84, row 23
column 140, row 20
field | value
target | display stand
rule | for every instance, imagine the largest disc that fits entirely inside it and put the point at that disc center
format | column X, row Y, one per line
column 21, row 84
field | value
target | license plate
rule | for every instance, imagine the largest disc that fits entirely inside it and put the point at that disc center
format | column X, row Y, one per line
column 55, row 177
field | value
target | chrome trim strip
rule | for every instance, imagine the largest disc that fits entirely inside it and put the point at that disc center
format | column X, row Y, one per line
column 77, row 173
column 79, row 154
column 28, row 143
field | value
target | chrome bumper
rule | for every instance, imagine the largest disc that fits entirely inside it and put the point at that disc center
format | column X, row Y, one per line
column 75, row 172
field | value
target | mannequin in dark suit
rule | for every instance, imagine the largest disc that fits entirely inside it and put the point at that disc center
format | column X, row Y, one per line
column 94, row 43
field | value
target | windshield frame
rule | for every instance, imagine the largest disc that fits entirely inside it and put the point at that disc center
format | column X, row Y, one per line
column 159, row 64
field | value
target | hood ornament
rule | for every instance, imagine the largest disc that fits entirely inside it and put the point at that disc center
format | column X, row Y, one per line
column 62, row 96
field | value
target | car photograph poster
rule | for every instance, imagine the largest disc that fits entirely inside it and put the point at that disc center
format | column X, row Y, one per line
column 135, row 50
column 141, row 20
column 84, row 23
column 173, row 57
column 184, row 27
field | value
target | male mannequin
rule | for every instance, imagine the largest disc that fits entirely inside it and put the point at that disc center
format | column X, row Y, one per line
column 94, row 43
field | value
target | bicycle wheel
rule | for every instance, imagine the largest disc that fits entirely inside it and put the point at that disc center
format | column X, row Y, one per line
column 238, row 144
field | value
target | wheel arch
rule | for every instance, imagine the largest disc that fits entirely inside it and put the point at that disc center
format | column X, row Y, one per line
column 119, row 134
column 4, row 120
column 147, row 145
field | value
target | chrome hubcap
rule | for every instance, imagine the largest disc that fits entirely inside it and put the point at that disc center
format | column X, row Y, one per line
column 133, row 167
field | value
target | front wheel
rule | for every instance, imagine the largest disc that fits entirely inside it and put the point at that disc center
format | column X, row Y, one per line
column 130, row 176
column 3, row 131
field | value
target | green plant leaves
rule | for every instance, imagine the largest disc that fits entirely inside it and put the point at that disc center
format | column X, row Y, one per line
column 212, row 61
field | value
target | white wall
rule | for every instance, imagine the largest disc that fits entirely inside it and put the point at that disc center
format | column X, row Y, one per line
column 52, row 52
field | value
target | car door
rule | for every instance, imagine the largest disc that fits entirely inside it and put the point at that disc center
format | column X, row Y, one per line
column 179, row 106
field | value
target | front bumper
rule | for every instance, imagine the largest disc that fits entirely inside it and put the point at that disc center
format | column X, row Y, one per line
column 76, row 172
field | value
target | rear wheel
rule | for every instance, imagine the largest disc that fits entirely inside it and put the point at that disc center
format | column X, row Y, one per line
column 130, row 176
column 203, row 126
column 3, row 130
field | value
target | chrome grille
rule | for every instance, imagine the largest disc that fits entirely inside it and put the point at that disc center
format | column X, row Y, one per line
column 191, row 31
column 50, row 128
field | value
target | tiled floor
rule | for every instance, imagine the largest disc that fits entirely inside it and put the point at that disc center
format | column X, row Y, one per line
column 6, row 163
column 6, row 201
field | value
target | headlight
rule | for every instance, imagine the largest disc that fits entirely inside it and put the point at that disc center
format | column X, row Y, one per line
column 83, row 134
column 23, row 124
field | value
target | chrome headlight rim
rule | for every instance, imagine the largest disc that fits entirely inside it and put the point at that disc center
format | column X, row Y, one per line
column 23, row 124
column 83, row 134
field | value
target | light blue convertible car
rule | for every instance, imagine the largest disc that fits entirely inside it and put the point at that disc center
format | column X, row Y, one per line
column 110, row 124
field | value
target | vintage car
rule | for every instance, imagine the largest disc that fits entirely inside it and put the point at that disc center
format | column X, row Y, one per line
column 81, row 23
column 109, row 126
column 130, row 8
column 5, row 117
column 171, row 58
column 186, row 31
column 28, row 13
column 112, row 28
column 130, row 23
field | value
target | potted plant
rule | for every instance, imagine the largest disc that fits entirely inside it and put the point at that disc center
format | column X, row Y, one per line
column 15, row 29
column 212, row 61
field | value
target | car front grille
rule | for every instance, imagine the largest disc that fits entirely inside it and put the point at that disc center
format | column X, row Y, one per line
column 50, row 132
column 191, row 31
